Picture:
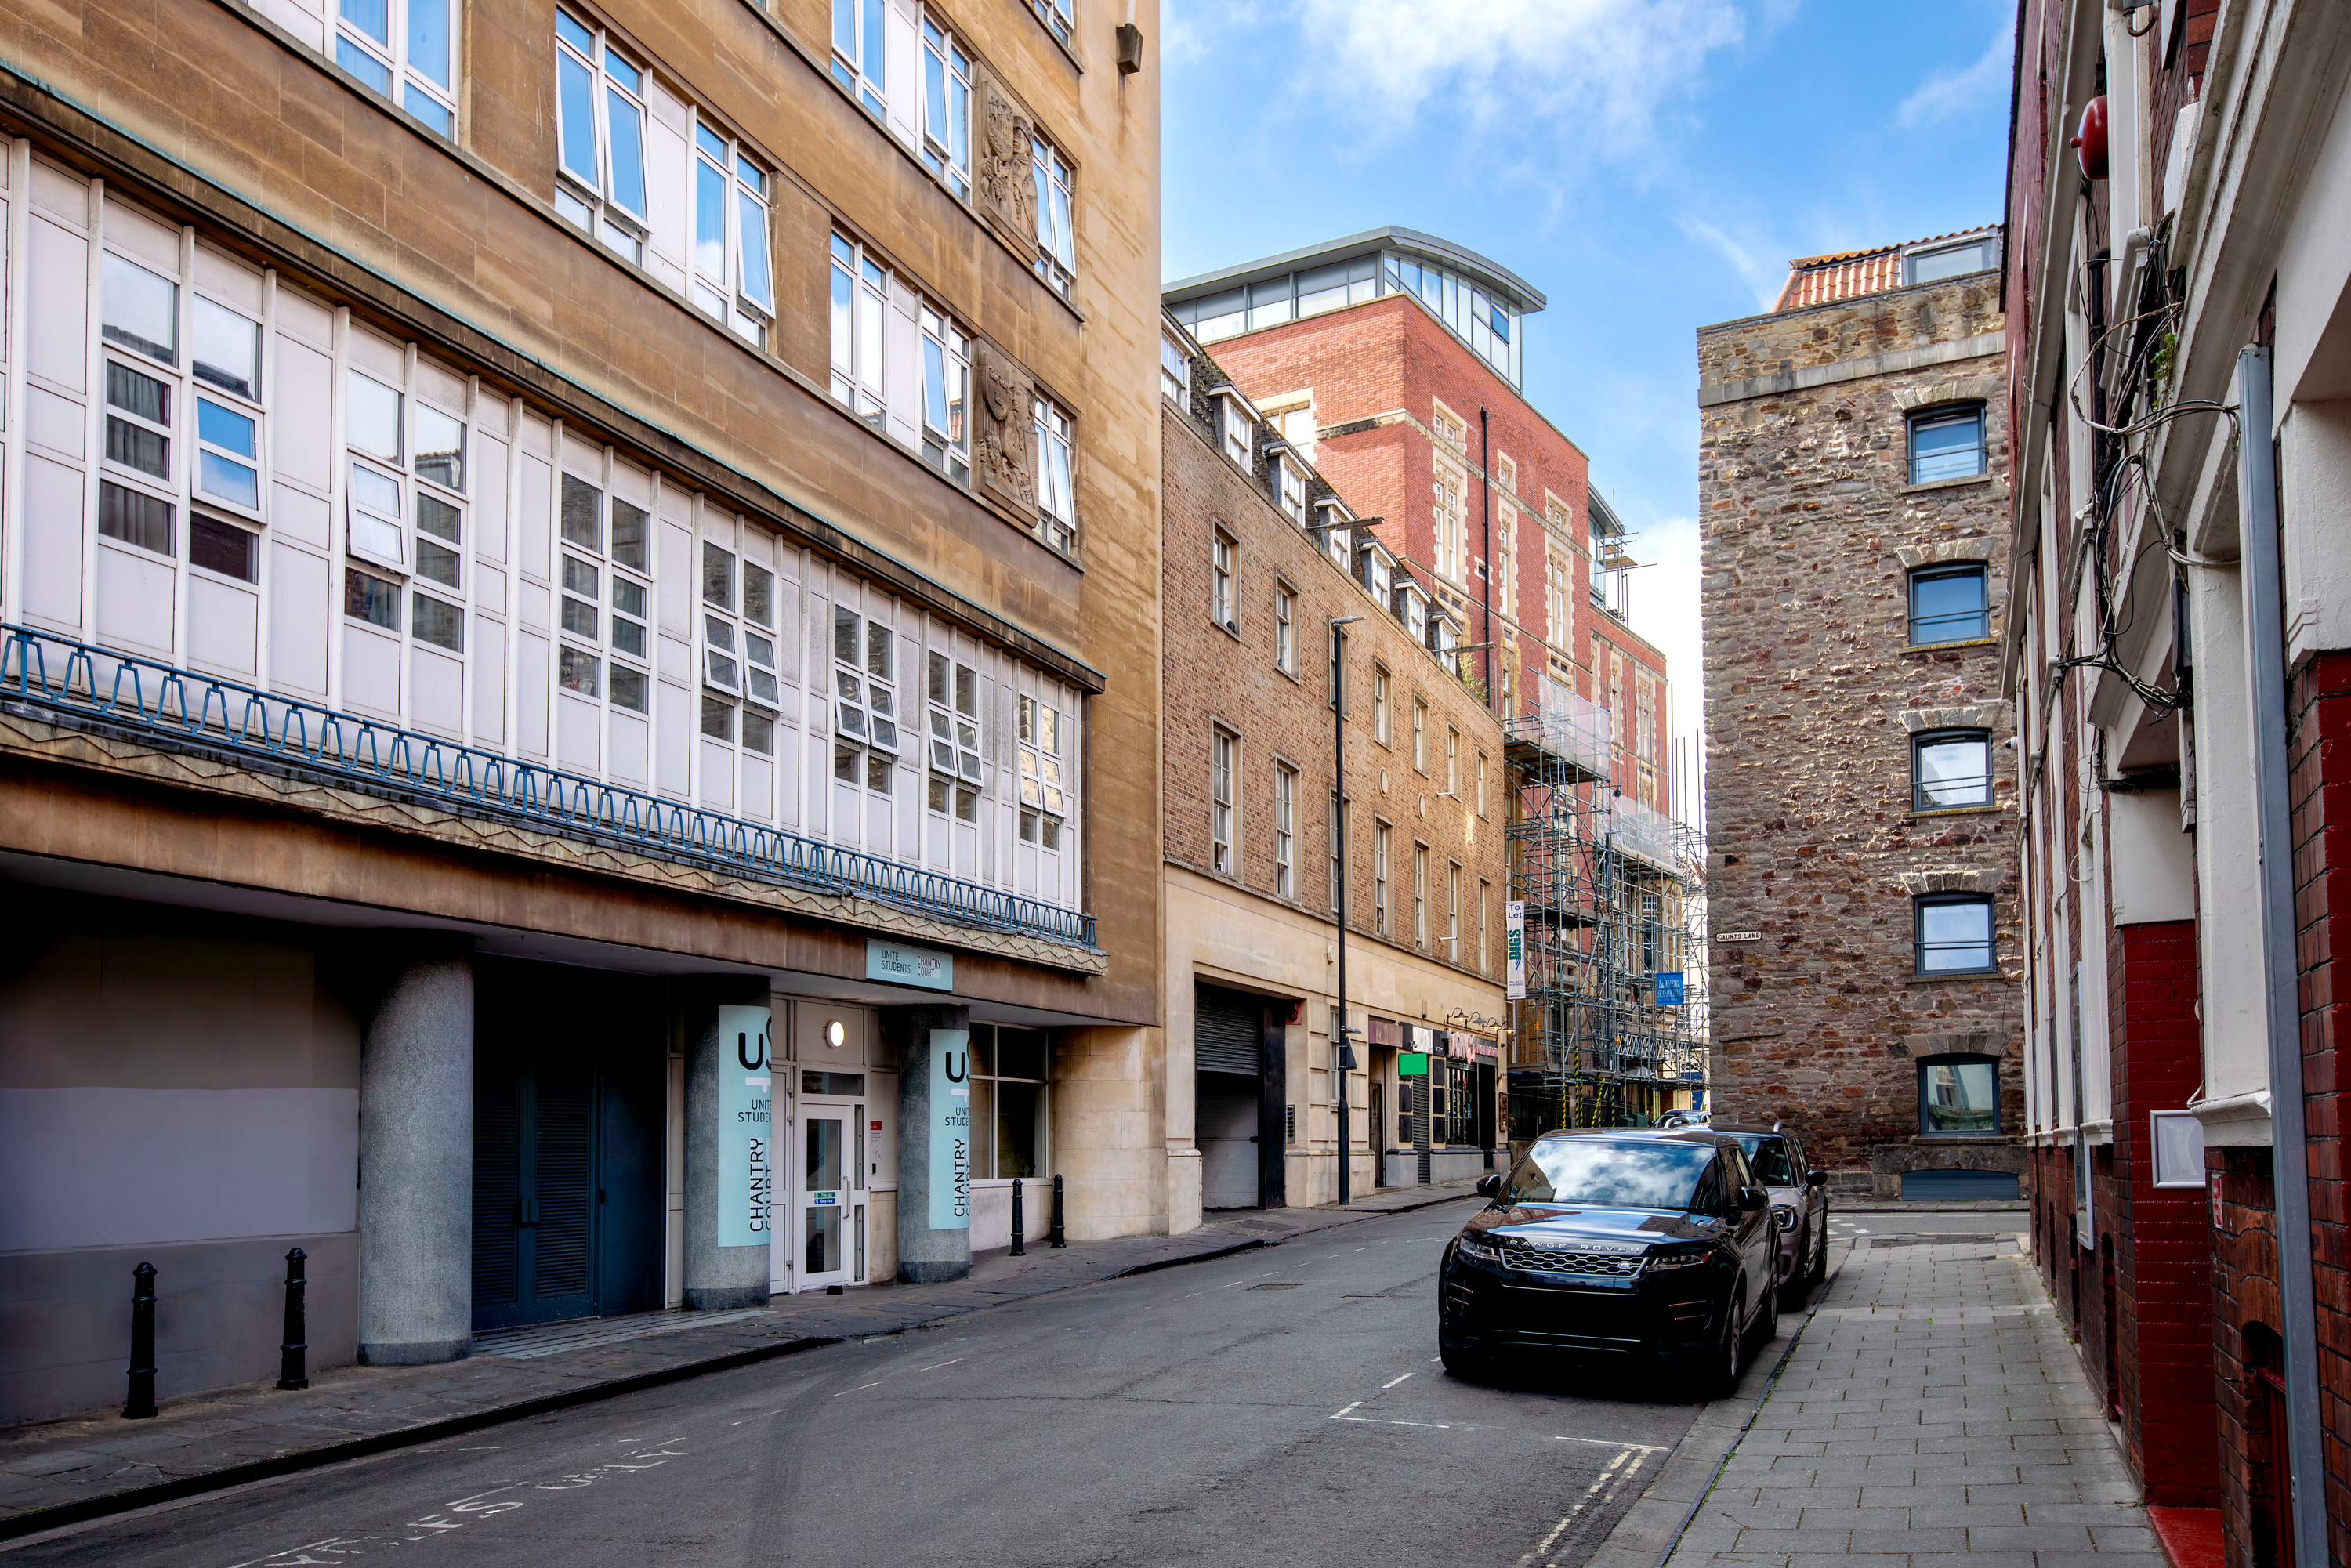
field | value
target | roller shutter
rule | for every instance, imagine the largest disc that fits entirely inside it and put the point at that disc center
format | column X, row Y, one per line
column 1227, row 1032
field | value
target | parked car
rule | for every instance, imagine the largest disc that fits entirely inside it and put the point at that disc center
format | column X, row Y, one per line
column 1800, row 1202
column 1674, row 1119
column 1617, row 1242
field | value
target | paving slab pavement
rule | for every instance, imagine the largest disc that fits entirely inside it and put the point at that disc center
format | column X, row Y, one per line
column 1932, row 1408
column 82, row 1466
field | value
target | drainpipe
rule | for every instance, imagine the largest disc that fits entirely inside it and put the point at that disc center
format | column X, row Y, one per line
column 1486, row 581
column 1339, row 624
column 2264, row 586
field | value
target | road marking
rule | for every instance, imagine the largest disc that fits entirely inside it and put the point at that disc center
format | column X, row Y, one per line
column 1377, row 1421
column 863, row 1386
column 1613, row 1443
column 934, row 1366
column 1603, row 1490
column 1392, row 1382
column 762, row 1416
column 1341, row 1414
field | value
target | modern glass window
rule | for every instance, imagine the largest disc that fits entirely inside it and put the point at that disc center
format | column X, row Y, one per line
column 1949, row 604
column 956, row 772
column 405, row 50
column 1487, row 325
column 947, row 108
column 1947, row 443
column 1285, row 633
column 223, row 548
column 1010, row 1102
column 946, row 396
column 605, row 568
column 1950, row 769
column 601, row 134
column 1952, row 932
column 857, row 50
column 1220, row 583
column 733, row 280
column 1044, row 800
column 1059, row 15
column 739, row 645
column 1953, row 261
column 1285, row 831
column 1057, row 250
column 1223, row 749
column 1057, row 506
column 860, row 315
column 865, row 694
column 1959, row 1094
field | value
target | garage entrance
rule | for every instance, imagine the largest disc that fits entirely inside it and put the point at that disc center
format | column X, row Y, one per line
column 1239, row 1049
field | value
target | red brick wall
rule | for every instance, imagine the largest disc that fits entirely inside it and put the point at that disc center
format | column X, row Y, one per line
column 2319, row 711
column 2244, row 1291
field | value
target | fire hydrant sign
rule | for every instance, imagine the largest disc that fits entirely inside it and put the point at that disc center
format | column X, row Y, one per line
column 747, row 1161
column 950, row 1129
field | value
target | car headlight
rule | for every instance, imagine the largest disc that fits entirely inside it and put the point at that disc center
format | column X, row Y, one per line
column 1677, row 1260
column 1784, row 1218
column 1483, row 1251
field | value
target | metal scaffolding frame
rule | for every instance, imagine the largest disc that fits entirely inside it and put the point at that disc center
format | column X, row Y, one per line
column 1613, row 895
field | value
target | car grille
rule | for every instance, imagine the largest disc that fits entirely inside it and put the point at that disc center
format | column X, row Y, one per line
column 1522, row 1254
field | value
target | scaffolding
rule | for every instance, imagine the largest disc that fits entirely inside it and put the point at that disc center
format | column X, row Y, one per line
column 1613, row 894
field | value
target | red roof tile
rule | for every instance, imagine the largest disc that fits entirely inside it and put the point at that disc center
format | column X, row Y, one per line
column 1843, row 275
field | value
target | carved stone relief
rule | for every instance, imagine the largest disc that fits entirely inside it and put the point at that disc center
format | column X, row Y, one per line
column 1003, row 163
column 1005, row 452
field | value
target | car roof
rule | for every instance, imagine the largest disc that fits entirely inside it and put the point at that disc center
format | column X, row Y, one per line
column 1643, row 1135
column 1752, row 1128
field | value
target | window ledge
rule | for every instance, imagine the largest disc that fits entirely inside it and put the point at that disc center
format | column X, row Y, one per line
column 1979, row 1138
column 1958, row 483
column 1228, row 628
column 1995, row 809
column 1958, row 975
column 1961, row 643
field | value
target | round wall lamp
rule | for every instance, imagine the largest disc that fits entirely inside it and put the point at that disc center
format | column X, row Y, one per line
column 836, row 1034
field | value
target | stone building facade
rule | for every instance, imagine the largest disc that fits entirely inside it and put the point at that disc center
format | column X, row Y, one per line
column 1253, row 786
column 573, row 604
column 1853, row 482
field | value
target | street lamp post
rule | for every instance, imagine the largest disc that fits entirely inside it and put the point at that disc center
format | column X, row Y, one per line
column 1344, row 1052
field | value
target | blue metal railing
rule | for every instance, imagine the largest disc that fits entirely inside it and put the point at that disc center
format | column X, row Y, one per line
column 205, row 711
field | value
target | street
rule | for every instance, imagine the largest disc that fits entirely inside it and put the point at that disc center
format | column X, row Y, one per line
column 1277, row 1405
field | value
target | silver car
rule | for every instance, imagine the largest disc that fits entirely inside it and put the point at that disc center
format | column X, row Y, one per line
column 1800, row 1202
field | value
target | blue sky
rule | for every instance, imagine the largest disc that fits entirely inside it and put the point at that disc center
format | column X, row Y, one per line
column 1649, row 165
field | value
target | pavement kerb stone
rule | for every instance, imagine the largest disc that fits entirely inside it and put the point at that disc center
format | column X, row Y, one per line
column 35, row 1495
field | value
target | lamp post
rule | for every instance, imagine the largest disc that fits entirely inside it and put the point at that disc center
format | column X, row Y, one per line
column 1344, row 1052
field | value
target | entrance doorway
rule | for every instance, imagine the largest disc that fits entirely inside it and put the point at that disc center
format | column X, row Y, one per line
column 1240, row 1115
column 570, row 1097
column 826, row 1228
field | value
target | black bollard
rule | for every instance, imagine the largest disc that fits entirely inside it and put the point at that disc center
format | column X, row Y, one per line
column 294, row 1351
column 140, row 1405
column 1019, row 1242
column 1059, row 1240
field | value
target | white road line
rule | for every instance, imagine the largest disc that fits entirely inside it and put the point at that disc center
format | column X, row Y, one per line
column 1342, row 1416
column 936, row 1364
column 1376, row 1421
column 1392, row 1382
column 1603, row 1490
column 861, row 1385
column 1612, row 1443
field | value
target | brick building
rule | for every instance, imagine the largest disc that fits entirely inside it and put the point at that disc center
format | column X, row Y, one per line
column 1853, row 487
column 530, row 672
column 1262, row 564
column 1395, row 360
column 2180, row 666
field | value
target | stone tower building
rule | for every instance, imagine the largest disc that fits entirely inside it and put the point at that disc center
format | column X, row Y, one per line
column 1853, row 479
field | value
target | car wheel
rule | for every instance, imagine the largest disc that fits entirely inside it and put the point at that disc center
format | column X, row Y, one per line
column 1719, row 1379
column 1768, row 1306
column 1821, row 1256
column 1466, row 1362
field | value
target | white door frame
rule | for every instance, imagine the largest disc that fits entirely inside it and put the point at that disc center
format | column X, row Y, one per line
column 850, row 1198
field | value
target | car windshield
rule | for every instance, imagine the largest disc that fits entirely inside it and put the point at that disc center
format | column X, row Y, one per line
column 1768, row 1155
column 1606, row 1173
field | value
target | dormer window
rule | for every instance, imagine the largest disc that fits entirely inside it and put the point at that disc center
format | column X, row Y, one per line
column 1238, row 430
column 1378, row 574
column 1289, row 485
column 1412, row 608
column 1341, row 544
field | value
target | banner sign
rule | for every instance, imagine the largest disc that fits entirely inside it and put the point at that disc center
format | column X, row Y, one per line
column 746, row 1142
column 905, row 966
column 1412, row 1064
column 950, row 1129
column 1514, row 950
column 1669, row 987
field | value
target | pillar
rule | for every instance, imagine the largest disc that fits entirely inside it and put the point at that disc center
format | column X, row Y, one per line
column 416, row 1162
column 718, row 1278
column 929, row 1253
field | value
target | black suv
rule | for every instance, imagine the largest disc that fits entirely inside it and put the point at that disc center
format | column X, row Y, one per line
column 1616, row 1241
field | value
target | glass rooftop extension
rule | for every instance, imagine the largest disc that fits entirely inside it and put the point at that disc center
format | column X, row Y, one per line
column 1482, row 303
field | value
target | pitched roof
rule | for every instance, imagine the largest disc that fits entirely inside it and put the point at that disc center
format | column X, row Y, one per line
column 1845, row 274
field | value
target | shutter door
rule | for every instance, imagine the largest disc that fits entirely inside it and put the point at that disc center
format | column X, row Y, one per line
column 565, row 1142
column 498, row 1185
column 1227, row 1032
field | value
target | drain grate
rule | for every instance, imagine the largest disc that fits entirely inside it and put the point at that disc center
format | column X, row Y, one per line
column 1281, row 1285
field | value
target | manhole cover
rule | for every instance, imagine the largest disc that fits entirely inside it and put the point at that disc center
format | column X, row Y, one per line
column 1280, row 1285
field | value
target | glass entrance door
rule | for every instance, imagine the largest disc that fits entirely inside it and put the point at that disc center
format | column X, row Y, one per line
column 828, row 1224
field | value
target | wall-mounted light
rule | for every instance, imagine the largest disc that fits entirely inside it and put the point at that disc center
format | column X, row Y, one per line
column 836, row 1033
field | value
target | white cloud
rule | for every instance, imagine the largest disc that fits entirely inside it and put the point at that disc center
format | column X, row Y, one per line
column 1597, row 70
column 1664, row 600
column 1762, row 268
column 1950, row 92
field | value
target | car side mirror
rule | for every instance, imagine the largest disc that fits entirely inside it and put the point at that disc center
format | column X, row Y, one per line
column 1491, row 1189
column 1753, row 1200
column 1816, row 1179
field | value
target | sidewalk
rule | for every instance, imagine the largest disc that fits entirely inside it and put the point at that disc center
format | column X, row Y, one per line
column 1933, row 1406
column 81, row 1467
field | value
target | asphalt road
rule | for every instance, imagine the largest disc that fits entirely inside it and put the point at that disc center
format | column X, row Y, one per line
column 1283, row 1405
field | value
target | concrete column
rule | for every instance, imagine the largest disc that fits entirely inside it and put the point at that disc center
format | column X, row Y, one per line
column 416, row 1162
column 717, row 1279
column 925, row 1256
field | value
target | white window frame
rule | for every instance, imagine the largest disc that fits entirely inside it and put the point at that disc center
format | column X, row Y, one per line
column 859, row 302
column 1382, row 842
column 1419, row 894
column 734, row 286
column 1057, row 505
column 1060, row 16
column 1175, row 371
column 596, row 205
column 945, row 428
column 1044, row 798
column 1290, row 487
column 859, row 51
column 1285, row 831
column 389, row 64
column 946, row 148
column 601, row 592
column 1221, row 610
column 1224, row 766
column 1453, row 912
column 1285, row 632
column 865, row 690
column 1057, row 246
column 1419, row 736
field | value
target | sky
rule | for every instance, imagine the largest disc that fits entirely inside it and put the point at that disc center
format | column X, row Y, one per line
column 1650, row 165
